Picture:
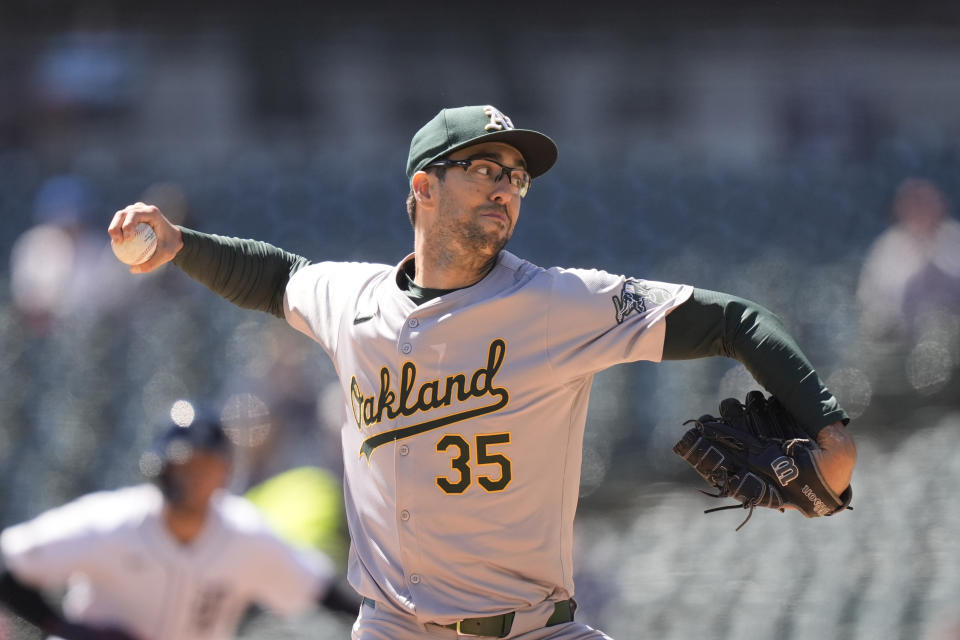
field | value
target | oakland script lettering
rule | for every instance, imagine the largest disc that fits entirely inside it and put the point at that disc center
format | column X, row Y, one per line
column 407, row 398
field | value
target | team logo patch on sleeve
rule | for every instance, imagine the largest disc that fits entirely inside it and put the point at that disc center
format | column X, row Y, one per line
column 638, row 295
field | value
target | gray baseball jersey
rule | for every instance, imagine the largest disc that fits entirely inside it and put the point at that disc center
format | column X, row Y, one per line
column 121, row 566
column 465, row 420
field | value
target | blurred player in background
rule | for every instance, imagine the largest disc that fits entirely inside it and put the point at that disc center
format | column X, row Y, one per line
column 174, row 559
column 909, row 299
column 913, row 267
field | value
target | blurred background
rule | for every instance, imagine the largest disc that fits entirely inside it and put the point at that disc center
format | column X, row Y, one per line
column 802, row 155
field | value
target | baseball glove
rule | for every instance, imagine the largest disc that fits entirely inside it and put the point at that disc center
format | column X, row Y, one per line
column 757, row 454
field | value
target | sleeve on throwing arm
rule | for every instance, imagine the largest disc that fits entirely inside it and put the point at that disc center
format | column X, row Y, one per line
column 248, row 273
column 717, row 324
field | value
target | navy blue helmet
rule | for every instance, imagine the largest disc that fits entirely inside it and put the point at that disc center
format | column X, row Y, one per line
column 190, row 429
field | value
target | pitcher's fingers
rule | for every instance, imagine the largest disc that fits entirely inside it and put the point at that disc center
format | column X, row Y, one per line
column 114, row 230
column 124, row 224
column 135, row 214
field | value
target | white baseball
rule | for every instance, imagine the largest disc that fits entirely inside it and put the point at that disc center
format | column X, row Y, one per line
column 137, row 249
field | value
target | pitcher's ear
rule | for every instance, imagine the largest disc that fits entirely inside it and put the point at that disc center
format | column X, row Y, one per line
column 421, row 185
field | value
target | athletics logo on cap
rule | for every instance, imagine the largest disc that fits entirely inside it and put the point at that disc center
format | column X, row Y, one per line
column 498, row 119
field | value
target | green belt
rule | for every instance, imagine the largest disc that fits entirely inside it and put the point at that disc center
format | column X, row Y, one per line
column 499, row 626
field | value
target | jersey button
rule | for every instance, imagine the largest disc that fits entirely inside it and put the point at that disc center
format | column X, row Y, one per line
column 404, row 450
column 406, row 347
column 413, row 323
column 414, row 579
column 404, row 515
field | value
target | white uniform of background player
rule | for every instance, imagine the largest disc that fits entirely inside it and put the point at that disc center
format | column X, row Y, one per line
column 123, row 567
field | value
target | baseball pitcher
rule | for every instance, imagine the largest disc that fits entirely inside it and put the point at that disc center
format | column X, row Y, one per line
column 465, row 373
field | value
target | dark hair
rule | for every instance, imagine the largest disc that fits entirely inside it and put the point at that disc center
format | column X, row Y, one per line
column 441, row 173
column 412, row 208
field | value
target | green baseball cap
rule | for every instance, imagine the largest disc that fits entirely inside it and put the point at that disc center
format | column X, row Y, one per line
column 453, row 129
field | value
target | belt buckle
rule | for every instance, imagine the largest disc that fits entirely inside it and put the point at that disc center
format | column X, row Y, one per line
column 461, row 632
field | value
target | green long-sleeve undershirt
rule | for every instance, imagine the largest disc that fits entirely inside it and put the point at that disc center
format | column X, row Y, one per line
column 248, row 273
column 254, row 275
column 718, row 324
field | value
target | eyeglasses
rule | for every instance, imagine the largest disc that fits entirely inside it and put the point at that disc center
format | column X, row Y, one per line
column 489, row 171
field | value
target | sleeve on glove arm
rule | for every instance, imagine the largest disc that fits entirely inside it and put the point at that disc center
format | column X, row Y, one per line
column 710, row 323
column 249, row 273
